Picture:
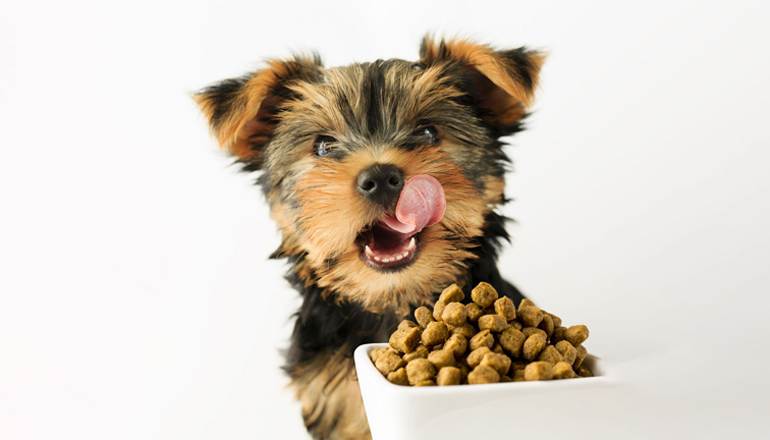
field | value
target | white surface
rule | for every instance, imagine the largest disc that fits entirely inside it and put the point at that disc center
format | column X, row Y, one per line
column 522, row 409
column 136, row 301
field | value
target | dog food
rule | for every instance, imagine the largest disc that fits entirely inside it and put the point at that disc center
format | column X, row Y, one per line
column 488, row 340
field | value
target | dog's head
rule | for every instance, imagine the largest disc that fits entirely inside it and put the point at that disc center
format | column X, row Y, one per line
column 380, row 175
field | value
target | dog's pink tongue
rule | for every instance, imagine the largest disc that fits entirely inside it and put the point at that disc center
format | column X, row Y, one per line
column 421, row 204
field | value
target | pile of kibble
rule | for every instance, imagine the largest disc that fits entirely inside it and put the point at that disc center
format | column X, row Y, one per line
column 485, row 341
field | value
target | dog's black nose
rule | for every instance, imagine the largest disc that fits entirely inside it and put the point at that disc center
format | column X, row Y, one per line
column 381, row 184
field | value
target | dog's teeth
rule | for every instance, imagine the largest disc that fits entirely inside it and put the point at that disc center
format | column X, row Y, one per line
column 400, row 257
column 376, row 258
column 369, row 252
column 412, row 244
column 386, row 260
column 406, row 254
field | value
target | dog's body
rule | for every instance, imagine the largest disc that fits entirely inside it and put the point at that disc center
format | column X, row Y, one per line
column 383, row 178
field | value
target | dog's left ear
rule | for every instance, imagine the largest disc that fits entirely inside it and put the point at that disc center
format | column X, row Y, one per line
column 501, row 83
column 243, row 111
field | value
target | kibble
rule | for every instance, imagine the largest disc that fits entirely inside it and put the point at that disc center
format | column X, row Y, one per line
column 424, row 316
column 435, row 333
column 481, row 339
column 538, row 371
column 483, row 374
column 532, row 346
column 493, row 323
column 488, row 340
column 455, row 314
column 398, row 377
column 420, row 370
column 505, row 308
column 457, row 344
column 442, row 358
column 448, row 376
column 484, row 295
column 406, row 339
column 420, row 351
column 576, row 335
column 474, row 312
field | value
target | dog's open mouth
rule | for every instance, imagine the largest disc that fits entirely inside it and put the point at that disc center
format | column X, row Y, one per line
column 393, row 242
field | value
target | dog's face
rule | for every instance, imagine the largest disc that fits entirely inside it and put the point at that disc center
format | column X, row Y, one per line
column 379, row 175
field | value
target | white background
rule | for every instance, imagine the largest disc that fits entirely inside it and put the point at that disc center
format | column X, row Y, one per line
column 136, row 298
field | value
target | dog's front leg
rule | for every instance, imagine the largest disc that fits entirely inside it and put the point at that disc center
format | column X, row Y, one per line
column 332, row 406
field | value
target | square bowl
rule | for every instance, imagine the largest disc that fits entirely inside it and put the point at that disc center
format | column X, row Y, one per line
column 551, row 408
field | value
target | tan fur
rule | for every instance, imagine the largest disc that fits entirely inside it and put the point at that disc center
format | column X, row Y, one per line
column 333, row 214
column 332, row 406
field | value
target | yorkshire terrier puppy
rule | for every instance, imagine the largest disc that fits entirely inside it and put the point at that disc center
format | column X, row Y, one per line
column 383, row 178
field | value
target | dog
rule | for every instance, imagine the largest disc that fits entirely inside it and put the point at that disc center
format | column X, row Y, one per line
column 384, row 179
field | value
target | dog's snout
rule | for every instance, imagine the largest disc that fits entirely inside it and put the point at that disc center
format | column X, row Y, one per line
column 381, row 184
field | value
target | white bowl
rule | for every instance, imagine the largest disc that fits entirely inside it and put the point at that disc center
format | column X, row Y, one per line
column 547, row 409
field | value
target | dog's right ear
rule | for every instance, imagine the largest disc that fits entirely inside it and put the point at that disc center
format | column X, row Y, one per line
column 242, row 112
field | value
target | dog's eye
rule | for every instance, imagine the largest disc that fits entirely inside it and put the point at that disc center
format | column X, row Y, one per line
column 323, row 145
column 429, row 133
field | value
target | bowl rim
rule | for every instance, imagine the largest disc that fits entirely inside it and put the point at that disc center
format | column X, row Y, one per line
column 365, row 367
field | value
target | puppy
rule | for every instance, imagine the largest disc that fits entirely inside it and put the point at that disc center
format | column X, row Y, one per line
column 383, row 178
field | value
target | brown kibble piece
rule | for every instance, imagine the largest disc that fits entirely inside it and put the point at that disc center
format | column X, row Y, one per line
column 464, row 370
column 448, row 376
column 512, row 340
column 584, row 372
column 424, row 316
column 483, row 374
column 375, row 354
column 538, row 371
column 406, row 324
column 438, row 309
column 420, row 351
column 476, row 356
column 576, row 335
column 500, row 362
column 466, row 330
column 518, row 364
column 517, row 325
column 451, row 294
column 529, row 331
column 546, row 325
column 497, row 348
column 457, row 344
column 550, row 354
column 558, row 335
column 426, row 383
column 530, row 316
column 455, row 314
column 493, row 323
column 518, row 375
column 420, row 370
column 581, row 355
column 474, row 312
column 568, row 352
column 525, row 303
column 556, row 320
column 389, row 361
column 484, row 295
column 442, row 358
column 435, row 333
column 481, row 339
column 563, row 370
column 398, row 377
column 505, row 308
column 405, row 340
column 505, row 379
column 532, row 346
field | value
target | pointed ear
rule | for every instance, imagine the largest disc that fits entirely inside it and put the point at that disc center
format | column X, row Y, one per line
column 243, row 112
column 501, row 83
